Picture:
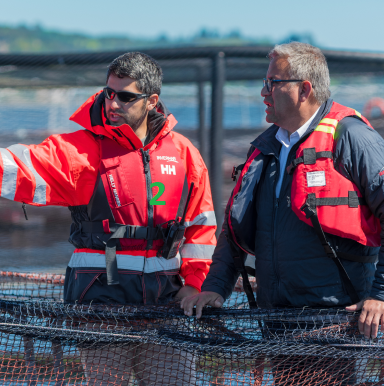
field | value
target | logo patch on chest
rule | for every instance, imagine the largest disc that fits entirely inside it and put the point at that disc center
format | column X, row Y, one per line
column 316, row 179
column 166, row 158
column 168, row 169
column 112, row 182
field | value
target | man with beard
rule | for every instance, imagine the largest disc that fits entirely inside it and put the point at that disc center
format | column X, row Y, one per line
column 125, row 179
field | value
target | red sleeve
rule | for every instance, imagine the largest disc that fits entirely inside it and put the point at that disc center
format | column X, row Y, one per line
column 197, row 250
column 62, row 170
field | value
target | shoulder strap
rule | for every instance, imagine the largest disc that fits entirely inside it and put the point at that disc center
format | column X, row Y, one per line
column 310, row 156
column 311, row 213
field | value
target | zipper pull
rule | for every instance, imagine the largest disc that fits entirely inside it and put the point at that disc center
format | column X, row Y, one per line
column 25, row 210
column 146, row 159
column 276, row 203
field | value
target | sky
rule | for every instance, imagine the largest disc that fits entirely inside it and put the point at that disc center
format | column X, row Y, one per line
column 335, row 24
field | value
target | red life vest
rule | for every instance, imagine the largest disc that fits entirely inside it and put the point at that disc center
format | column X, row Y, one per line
column 143, row 188
column 316, row 184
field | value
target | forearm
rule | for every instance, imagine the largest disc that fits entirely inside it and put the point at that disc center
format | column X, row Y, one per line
column 222, row 275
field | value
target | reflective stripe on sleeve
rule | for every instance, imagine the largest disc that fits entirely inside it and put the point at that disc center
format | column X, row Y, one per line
column 8, row 185
column 128, row 262
column 23, row 153
column 197, row 251
column 205, row 218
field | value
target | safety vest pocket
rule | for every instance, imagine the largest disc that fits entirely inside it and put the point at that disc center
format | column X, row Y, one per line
column 117, row 182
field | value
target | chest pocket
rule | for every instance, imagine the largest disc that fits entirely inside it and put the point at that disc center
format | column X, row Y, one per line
column 117, row 181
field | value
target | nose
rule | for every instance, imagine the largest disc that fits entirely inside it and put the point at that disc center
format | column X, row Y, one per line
column 265, row 92
column 114, row 103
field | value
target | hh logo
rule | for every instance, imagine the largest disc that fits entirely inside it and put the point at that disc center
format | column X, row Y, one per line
column 168, row 169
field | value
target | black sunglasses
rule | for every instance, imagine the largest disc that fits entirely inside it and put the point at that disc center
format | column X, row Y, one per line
column 269, row 82
column 124, row 96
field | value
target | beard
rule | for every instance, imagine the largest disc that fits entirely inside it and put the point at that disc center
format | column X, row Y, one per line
column 133, row 121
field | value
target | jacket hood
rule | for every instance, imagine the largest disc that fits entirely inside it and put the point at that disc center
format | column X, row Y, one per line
column 91, row 116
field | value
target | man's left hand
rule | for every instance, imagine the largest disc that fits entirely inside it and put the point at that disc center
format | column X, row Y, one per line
column 186, row 291
column 372, row 315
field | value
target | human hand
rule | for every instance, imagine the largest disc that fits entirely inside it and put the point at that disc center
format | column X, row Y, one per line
column 200, row 300
column 371, row 316
column 185, row 292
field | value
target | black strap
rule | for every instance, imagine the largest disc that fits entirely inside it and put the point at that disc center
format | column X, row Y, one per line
column 353, row 201
column 110, row 256
column 120, row 231
column 240, row 266
column 310, row 156
column 131, row 231
column 311, row 213
column 236, row 170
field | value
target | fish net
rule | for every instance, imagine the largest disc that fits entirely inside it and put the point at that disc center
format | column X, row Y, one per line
column 47, row 342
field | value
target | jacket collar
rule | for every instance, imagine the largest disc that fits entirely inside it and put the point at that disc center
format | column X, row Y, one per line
column 92, row 117
column 269, row 145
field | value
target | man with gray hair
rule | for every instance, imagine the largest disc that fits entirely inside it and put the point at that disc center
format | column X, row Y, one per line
column 309, row 203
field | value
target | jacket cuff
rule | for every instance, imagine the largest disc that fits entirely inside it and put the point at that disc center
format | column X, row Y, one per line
column 193, row 281
column 377, row 294
column 216, row 289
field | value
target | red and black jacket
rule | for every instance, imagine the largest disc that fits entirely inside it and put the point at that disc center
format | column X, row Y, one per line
column 105, row 176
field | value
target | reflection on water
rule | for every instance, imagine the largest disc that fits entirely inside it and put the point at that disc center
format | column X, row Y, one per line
column 39, row 244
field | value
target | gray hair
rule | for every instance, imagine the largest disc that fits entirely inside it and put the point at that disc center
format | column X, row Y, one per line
column 140, row 67
column 308, row 63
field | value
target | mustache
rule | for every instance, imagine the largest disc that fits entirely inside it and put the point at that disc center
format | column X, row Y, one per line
column 115, row 111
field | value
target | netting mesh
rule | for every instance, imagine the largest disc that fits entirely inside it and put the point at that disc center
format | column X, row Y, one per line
column 47, row 342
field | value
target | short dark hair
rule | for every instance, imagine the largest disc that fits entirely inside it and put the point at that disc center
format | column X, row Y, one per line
column 140, row 67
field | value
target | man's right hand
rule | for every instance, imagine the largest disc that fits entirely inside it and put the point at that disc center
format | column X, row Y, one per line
column 200, row 300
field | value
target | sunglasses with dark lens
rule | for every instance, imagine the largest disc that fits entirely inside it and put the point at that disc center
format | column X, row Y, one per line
column 124, row 96
column 269, row 82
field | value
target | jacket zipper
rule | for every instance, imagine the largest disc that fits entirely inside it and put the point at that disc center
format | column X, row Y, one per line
column 274, row 222
column 276, row 205
column 148, row 181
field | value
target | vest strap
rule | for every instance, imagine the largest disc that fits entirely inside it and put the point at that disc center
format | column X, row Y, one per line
column 236, row 170
column 120, row 231
column 238, row 258
column 353, row 201
column 310, row 156
column 131, row 231
column 311, row 213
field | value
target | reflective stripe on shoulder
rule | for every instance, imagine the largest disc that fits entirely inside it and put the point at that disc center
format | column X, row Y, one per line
column 205, row 218
column 128, row 262
column 197, row 251
column 23, row 153
column 357, row 113
column 329, row 121
column 8, row 185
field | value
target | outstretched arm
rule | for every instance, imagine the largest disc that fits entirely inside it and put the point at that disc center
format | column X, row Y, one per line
column 62, row 170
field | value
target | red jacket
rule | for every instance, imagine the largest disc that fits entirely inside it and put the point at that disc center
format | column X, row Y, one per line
column 63, row 171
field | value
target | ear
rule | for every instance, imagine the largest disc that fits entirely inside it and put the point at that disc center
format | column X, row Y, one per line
column 152, row 102
column 305, row 91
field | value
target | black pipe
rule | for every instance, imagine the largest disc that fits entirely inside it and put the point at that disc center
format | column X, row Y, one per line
column 216, row 172
column 202, row 130
column 183, row 53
